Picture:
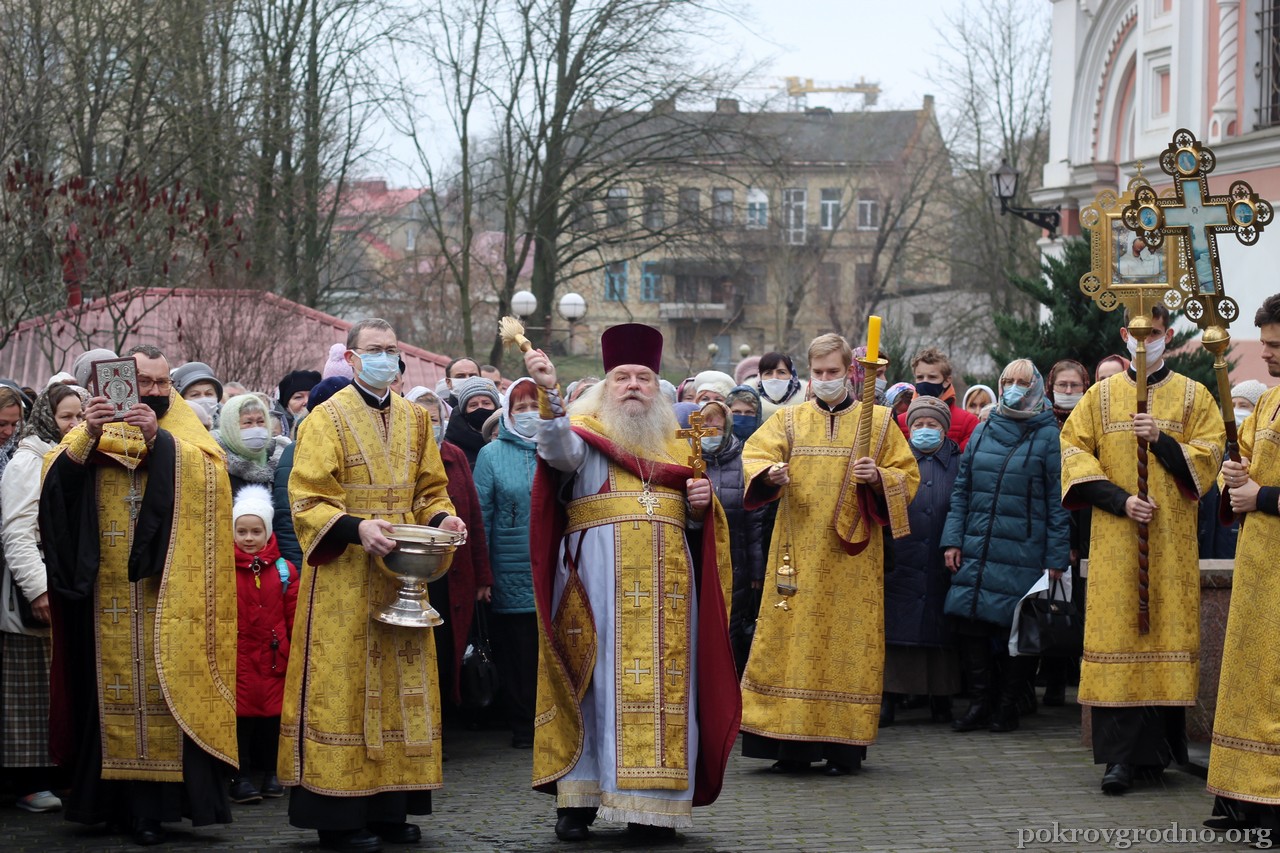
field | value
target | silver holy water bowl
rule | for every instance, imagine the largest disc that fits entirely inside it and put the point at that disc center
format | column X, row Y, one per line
column 423, row 554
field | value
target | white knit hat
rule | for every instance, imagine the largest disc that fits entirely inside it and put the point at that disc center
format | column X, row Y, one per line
column 254, row 500
column 1251, row 389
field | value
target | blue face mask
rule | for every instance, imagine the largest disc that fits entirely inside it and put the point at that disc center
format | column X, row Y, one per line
column 744, row 426
column 926, row 439
column 437, row 430
column 1012, row 396
column 378, row 370
column 527, row 423
column 710, row 443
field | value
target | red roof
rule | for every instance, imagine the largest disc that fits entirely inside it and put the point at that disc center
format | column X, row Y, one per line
column 244, row 335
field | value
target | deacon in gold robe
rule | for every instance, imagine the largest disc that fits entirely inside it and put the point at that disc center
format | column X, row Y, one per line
column 1139, row 685
column 1244, row 758
column 360, row 741
column 135, row 518
column 811, row 690
column 637, row 705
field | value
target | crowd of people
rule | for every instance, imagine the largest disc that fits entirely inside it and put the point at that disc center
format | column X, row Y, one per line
column 832, row 566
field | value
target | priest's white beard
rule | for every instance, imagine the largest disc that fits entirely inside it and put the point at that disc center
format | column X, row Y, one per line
column 641, row 425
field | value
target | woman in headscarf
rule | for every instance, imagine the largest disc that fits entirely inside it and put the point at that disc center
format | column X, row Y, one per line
column 1005, row 528
column 24, row 602
column 244, row 432
column 778, row 384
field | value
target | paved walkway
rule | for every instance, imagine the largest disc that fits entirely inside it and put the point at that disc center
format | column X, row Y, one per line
column 923, row 788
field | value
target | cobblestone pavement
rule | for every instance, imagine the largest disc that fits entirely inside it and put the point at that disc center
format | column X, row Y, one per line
column 923, row 788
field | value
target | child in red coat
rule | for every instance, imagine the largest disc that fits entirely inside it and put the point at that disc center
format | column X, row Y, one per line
column 266, row 597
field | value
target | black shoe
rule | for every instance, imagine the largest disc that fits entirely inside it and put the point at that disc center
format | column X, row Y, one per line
column 1055, row 696
column 271, row 788
column 522, row 741
column 349, row 840
column 572, row 825
column 940, row 709
column 243, row 792
column 833, row 769
column 147, row 833
column 1117, row 779
column 977, row 717
column 785, row 766
column 395, row 833
column 652, row 833
column 887, row 702
column 1005, row 719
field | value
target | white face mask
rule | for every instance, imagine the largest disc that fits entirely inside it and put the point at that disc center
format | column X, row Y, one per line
column 1241, row 414
column 775, row 388
column 255, row 438
column 829, row 391
column 1067, row 402
column 1155, row 351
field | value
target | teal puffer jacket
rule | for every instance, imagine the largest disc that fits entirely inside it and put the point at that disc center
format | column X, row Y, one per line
column 504, row 481
column 1006, row 516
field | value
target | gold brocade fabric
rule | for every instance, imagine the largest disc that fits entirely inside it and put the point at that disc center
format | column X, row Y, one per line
column 1244, row 759
column 1121, row 667
column 361, row 705
column 652, row 635
column 815, row 670
column 166, row 645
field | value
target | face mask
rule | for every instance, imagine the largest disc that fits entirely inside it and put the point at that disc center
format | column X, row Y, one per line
column 1012, row 396
column 527, row 423
column 710, row 443
column 1241, row 414
column 254, row 438
column 157, row 404
column 881, row 383
column 379, row 370
column 926, row 439
column 1067, row 402
column 1155, row 352
column 930, row 389
column 437, row 430
column 744, row 426
column 209, row 404
column 477, row 417
column 829, row 390
column 776, row 389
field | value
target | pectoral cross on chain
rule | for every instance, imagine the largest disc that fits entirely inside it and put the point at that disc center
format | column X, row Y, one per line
column 648, row 500
column 134, row 498
column 695, row 433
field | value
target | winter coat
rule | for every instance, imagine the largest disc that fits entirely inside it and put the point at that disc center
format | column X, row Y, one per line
column 264, row 626
column 746, row 528
column 245, row 471
column 916, row 578
column 282, row 524
column 22, row 571
column 1006, row 516
column 470, row 568
column 504, row 482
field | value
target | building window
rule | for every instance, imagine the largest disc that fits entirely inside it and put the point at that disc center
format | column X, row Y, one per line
column 757, row 208
column 868, row 214
column 829, row 212
column 921, row 319
column 582, row 215
column 1268, row 68
column 722, row 207
column 829, row 282
column 653, row 214
column 690, row 205
column 650, row 282
column 793, row 204
column 1160, row 92
column 862, row 278
column 615, row 207
column 615, row 281
column 411, row 238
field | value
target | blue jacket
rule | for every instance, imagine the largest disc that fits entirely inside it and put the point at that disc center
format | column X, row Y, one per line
column 916, row 579
column 290, row 549
column 1006, row 516
column 504, row 481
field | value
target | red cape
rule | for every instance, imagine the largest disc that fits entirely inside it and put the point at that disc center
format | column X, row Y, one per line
column 719, row 707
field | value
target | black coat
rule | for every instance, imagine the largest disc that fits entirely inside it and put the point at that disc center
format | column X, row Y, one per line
column 916, row 579
column 746, row 528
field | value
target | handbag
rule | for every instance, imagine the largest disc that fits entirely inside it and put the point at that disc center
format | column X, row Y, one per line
column 1050, row 627
column 480, row 682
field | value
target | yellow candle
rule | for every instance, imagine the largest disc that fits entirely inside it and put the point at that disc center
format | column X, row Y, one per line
column 873, row 338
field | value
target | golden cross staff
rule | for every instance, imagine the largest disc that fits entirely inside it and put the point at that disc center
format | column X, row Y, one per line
column 1197, row 218
column 1121, row 276
column 694, row 433
column 871, row 362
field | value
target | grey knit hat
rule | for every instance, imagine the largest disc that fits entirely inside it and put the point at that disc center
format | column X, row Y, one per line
column 82, row 367
column 929, row 407
column 475, row 386
column 192, row 372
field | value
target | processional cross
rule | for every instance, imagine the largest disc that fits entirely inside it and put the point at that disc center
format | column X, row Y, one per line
column 695, row 433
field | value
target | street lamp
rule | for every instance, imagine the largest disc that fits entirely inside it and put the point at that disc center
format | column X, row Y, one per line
column 524, row 303
column 573, row 308
column 1004, row 186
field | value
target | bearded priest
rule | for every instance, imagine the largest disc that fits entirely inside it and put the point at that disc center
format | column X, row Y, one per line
column 638, row 705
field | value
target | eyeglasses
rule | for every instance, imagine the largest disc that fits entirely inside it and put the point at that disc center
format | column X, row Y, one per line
column 394, row 352
column 161, row 385
column 1068, row 387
